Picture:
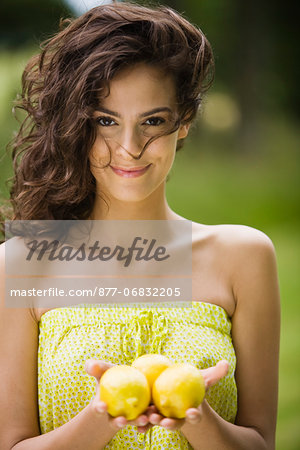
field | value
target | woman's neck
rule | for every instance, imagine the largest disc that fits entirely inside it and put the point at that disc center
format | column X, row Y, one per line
column 131, row 211
column 152, row 208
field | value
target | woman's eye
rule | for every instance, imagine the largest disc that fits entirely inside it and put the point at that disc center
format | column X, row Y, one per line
column 105, row 121
column 154, row 121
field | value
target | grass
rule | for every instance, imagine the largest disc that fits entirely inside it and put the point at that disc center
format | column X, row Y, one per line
column 288, row 251
column 211, row 188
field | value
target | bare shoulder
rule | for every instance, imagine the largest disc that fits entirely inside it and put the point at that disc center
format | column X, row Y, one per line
column 245, row 246
column 233, row 238
column 2, row 250
column 16, row 251
column 2, row 259
column 242, row 235
column 251, row 259
column 12, row 252
column 238, row 256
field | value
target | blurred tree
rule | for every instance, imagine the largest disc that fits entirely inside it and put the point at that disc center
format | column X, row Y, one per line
column 257, row 56
column 23, row 22
column 284, row 52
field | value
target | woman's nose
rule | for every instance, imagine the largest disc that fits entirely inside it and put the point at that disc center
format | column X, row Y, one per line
column 130, row 145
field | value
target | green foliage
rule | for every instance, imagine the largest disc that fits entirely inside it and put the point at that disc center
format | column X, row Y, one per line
column 23, row 22
column 11, row 67
column 260, row 190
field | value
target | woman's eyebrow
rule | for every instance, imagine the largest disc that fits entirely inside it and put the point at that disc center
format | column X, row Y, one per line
column 156, row 110
column 147, row 113
column 107, row 111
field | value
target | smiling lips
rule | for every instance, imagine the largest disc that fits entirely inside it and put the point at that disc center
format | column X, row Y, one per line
column 131, row 172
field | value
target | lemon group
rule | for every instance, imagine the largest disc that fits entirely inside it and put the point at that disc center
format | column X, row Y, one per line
column 151, row 365
column 173, row 388
column 177, row 388
column 125, row 390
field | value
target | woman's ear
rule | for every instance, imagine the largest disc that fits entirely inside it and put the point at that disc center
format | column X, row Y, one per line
column 183, row 131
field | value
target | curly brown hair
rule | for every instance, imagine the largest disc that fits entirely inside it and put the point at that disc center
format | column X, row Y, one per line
column 61, row 88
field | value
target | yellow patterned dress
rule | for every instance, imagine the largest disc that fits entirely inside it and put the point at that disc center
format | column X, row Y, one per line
column 194, row 332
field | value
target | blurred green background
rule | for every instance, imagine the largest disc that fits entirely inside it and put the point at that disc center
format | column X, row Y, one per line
column 241, row 163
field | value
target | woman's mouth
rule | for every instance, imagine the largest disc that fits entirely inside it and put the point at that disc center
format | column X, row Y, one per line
column 130, row 172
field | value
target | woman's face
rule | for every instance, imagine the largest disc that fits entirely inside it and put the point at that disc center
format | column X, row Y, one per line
column 140, row 105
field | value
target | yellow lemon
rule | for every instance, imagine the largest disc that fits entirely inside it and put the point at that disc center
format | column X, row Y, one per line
column 151, row 365
column 125, row 390
column 178, row 388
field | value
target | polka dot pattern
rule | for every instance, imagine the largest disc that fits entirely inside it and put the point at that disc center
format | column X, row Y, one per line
column 194, row 332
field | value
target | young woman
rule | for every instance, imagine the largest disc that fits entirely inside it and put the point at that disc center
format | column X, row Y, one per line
column 109, row 101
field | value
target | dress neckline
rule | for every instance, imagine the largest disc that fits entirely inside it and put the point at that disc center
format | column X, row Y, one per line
column 140, row 305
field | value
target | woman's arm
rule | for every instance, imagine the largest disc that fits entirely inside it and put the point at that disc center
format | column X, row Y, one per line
column 88, row 430
column 250, row 257
column 19, row 425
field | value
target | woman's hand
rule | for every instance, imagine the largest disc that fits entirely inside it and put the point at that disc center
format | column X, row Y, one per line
column 151, row 415
column 193, row 415
column 96, row 368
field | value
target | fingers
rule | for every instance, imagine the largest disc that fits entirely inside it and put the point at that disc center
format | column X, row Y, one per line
column 193, row 415
column 155, row 418
column 141, row 422
column 99, row 406
column 118, row 422
column 153, row 415
column 144, row 422
column 96, row 368
column 171, row 424
column 214, row 374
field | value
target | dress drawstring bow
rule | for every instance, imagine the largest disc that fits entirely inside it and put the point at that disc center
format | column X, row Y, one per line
column 144, row 328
